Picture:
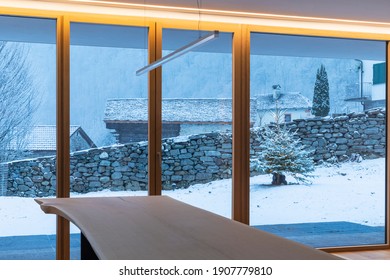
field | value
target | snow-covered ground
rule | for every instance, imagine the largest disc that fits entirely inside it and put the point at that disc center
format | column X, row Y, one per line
column 353, row 192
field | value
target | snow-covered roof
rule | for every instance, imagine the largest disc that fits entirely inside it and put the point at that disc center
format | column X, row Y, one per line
column 183, row 110
column 43, row 138
column 286, row 100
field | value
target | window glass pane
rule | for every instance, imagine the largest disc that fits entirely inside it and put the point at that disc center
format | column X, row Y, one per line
column 318, row 148
column 196, row 121
column 27, row 136
column 109, row 111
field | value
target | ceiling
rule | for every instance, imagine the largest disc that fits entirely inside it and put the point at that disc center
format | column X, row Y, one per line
column 44, row 30
column 364, row 10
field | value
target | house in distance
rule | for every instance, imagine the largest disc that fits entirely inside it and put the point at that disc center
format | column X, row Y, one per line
column 41, row 140
column 293, row 105
column 180, row 116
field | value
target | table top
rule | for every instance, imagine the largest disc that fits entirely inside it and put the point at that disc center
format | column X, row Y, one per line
column 160, row 227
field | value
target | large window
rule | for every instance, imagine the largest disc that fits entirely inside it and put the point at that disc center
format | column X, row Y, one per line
column 109, row 111
column 319, row 143
column 197, row 121
column 27, row 136
column 317, row 127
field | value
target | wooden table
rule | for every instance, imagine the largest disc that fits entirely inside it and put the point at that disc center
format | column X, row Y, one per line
column 159, row 227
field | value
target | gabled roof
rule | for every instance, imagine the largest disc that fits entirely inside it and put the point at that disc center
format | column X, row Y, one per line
column 182, row 110
column 286, row 100
column 43, row 137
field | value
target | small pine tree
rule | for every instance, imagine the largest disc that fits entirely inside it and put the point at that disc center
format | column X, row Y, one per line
column 283, row 154
column 321, row 106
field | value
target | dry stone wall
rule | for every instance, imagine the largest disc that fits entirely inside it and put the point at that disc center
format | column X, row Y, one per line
column 195, row 159
column 341, row 137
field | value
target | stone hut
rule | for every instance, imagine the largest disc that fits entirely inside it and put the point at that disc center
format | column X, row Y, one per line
column 181, row 116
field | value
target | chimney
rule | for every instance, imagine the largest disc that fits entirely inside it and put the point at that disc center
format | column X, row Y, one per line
column 276, row 92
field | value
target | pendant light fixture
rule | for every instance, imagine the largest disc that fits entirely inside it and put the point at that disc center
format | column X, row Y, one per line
column 178, row 52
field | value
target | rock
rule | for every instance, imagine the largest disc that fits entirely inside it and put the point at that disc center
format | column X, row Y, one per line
column 189, row 177
column 82, row 169
column 212, row 154
column 186, row 162
column 133, row 186
column 105, row 179
column 226, row 146
column 206, row 159
column 94, row 184
column 203, row 176
column 185, row 156
column 174, row 152
column 199, row 167
column 23, row 188
column 343, row 158
column 356, row 158
column 103, row 155
column 37, row 179
column 212, row 169
column 341, row 141
column 372, row 130
column 47, row 175
column 116, row 175
column 19, row 181
column 115, row 164
column 105, row 163
column 117, row 183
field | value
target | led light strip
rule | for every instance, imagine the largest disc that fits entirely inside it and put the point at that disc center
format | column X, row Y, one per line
column 228, row 13
column 178, row 52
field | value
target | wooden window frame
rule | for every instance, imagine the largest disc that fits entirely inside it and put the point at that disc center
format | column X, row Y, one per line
column 241, row 104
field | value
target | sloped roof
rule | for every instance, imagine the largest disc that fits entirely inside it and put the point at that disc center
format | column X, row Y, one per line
column 43, row 137
column 286, row 100
column 183, row 110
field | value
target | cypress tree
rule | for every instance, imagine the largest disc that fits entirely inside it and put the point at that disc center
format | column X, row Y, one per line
column 321, row 105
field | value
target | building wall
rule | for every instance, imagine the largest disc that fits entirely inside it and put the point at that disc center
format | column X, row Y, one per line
column 136, row 132
column 375, row 104
column 375, row 78
column 42, row 153
column 267, row 116
column 378, row 92
column 78, row 143
column 191, row 129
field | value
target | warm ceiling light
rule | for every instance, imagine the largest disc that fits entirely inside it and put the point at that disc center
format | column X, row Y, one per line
column 178, row 52
column 227, row 12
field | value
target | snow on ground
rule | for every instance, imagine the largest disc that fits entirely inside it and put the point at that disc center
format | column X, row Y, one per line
column 353, row 192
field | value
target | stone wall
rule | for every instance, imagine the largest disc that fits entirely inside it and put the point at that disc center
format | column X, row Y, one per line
column 199, row 158
column 340, row 137
column 194, row 159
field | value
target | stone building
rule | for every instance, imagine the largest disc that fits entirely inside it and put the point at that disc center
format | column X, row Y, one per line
column 292, row 104
column 41, row 141
column 182, row 116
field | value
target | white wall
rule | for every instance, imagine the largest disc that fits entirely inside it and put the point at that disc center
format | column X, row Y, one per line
column 379, row 92
column 191, row 129
column 295, row 114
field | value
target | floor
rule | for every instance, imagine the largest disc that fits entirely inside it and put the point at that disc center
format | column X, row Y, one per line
column 328, row 234
column 42, row 247
column 35, row 247
column 365, row 255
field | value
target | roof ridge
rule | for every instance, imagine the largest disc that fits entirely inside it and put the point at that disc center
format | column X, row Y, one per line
column 53, row 125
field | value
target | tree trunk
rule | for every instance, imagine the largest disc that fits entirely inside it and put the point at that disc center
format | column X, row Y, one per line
column 278, row 179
